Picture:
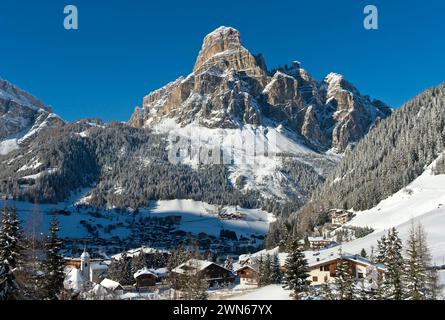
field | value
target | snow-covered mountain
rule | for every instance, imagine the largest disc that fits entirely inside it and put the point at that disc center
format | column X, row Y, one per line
column 22, row 117
column 230, row 88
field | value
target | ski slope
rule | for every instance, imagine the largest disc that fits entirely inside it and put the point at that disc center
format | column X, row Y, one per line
column 422, row 201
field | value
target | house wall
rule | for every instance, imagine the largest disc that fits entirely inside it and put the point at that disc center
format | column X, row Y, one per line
column 327, row 274
column 248, row 276
column 322, row 274
column 144, row 281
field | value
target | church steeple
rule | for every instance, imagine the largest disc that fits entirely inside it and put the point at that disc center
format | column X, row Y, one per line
column 85, row 264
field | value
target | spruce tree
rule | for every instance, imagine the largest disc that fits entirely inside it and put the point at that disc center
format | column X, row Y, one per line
column 297, row 272
column 10, row 254
column 275, row 270
column 420, row 278
column 54, row 264
column 390, row 255
column 264, row 272
column 344, row 282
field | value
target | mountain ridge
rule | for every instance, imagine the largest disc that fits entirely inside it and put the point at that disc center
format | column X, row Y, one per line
column 230, row 87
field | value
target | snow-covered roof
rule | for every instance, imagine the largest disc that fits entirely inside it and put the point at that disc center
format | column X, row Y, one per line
column 136, row 252
column 259, row 254
column 254, row 257
column 99, row 290
column 144, row 271
column 254, row 266
column 110, row 284
column 193, row 264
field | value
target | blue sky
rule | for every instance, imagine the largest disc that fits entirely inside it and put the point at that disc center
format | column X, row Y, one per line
column 125, row 49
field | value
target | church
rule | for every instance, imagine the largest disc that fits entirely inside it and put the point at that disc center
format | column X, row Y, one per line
column 84, row 273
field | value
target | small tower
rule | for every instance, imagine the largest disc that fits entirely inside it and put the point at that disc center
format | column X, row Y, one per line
column 85, row 263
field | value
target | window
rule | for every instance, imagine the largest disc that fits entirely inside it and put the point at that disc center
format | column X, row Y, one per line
column 314, row 279
column 321, row 268
column 360, row 275
column 326, row 268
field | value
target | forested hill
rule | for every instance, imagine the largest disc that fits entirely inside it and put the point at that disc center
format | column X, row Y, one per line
column 386, row 160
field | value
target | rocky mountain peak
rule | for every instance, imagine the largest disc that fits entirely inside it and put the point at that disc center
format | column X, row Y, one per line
column 230, row 87
column 22, row 117
column 222, row 49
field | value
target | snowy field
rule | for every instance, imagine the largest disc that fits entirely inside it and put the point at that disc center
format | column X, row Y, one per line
column 268, row 293
column 196, row 217
column 422, row 201
column 199, row 217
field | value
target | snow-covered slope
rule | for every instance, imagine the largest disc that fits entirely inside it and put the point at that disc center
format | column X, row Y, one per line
column 22, row 117
column 422, row 201
column 251, row 153
column 196, row 217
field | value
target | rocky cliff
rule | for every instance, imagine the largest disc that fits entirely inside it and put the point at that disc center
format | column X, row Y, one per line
column 22, row 116
column 230, row 87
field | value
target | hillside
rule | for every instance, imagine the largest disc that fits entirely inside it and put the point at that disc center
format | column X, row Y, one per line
column 422, row 201
column 390, row 157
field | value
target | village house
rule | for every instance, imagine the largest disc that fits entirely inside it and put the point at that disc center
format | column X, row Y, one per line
column 340, row 217
column 255, row 258
column 145, row 278
column 323, row 267
column 210, row 271
column 248, row 274
column 317, row 243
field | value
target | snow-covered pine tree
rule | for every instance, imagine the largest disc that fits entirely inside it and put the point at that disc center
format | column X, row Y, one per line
column 297, row 271
column 276, row 275
column 265, row 271
column 193, row 284
column 390, row 255
column 10, row 254
column 344, row 282
column 54, row 264
column 421, row 282
column 377, row 292
column 362, row 292
column 325, row 292
column 120, row 270
column 381, row 250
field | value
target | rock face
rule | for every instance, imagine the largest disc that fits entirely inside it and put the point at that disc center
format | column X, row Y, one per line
column 22, row 116
column 230, row 87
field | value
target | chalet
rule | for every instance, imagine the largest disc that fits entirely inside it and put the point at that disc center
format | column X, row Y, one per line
column 145, row 278
column 254, row 258
column 210, row 271
column 323, row 267
column 339, row 216
column 317, row 243
column 248, row 274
